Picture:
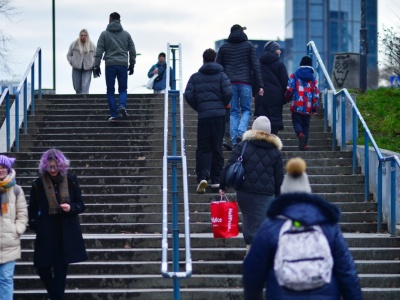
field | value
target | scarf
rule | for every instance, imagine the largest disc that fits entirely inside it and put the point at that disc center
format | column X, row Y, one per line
column 48, row 183
column 5, row 185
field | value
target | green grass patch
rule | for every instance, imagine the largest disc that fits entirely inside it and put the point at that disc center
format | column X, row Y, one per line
column 381, row 111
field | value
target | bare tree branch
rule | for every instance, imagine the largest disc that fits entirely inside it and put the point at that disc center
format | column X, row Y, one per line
column 390, row 47
column 7, row 10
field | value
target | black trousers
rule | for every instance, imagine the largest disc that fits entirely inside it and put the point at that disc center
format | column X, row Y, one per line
column 54, row 280
column 209, row 156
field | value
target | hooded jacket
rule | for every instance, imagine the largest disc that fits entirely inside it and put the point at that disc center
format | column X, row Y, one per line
column 239, row 59
column 208, row 91
column 13, row 224
column 302, row 91
column 275, row 79
column 309, row 209
column 116, row 43
column 78, row 60
column 262, row 162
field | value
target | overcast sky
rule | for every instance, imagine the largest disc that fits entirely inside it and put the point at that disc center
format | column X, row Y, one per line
column 196, row 25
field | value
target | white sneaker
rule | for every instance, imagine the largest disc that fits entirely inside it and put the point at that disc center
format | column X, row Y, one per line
column 201, row 188
column 215, row 185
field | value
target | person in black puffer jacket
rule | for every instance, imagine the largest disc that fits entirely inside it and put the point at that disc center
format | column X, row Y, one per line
column 263, row 175
column 208, row 92
column 275, row 79
column 239, row 59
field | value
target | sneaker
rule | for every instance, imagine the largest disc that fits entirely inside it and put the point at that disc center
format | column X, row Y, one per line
column 227, row 145
column 123, row 113
column 302, row 142
column 214, row 184
column 113, row 119
column 201, row 188
column 239, row 138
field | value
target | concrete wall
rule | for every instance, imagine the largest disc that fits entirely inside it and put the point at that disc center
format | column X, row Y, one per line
column 373, row 159
column 386, row 180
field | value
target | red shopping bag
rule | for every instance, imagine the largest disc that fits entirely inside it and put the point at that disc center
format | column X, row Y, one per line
column 224, row 218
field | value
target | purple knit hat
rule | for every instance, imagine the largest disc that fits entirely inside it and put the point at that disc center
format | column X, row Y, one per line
column 7, row 161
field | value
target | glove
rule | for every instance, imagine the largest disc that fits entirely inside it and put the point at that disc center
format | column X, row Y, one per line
column 97, row 71
column 130, row 69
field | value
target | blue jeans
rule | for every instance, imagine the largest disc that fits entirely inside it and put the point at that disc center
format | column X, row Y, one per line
column 240, row 104
column 121, row 73
column 7, row 280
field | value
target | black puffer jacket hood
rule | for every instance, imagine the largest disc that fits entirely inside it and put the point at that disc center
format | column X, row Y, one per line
column 208, row 91
column 237, row 36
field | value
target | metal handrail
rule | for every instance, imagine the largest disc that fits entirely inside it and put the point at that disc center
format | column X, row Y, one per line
column 173, row 160
column 23, row 87
column 356, row 115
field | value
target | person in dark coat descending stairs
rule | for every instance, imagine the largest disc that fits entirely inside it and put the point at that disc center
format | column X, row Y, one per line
column 54, row 206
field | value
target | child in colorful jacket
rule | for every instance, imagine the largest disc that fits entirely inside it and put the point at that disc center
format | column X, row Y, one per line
column 303, row 94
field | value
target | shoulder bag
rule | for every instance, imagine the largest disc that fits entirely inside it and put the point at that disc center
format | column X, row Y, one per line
column 235, row 173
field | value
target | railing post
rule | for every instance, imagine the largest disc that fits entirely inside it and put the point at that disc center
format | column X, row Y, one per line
column 8, row 126
column 379, row 229
column 40, row 74
column 26, row 106
column 354, row 119
column 366, row 165
column 16, row 103
column 393, row 232
column 326, row 110
column 343, row 118
column 334, row 122
column 33, row 89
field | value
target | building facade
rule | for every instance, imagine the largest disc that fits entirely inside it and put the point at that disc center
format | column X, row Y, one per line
column 334, row 26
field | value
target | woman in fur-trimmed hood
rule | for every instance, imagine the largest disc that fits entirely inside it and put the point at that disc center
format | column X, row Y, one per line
column 263, row 176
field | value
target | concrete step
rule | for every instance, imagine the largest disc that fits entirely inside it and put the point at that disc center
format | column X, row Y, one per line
column 232, row 293
column 119, row 168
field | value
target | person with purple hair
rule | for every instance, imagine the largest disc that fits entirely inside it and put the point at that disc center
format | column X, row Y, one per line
column 54, row 206
column 13, row 221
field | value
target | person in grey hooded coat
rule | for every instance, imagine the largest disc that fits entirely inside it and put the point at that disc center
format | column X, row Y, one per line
column 116, row 43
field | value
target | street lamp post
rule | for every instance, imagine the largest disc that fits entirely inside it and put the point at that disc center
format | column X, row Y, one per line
column 54, row 46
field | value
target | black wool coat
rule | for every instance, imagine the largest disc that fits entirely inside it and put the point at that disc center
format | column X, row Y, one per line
column 275, row 79
column 60, row 234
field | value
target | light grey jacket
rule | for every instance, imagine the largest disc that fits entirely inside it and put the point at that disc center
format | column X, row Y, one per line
column 13, row 223
column 78, row 60
column 115, row 43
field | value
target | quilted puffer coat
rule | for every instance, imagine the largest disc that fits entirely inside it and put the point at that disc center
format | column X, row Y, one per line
column 262, row 162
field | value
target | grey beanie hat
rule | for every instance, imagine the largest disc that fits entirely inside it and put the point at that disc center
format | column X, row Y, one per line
column 296, row 179
column 262, row 123
column 271, row 46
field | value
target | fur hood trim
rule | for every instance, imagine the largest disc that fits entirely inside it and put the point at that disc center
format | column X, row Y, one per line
column 259, row 135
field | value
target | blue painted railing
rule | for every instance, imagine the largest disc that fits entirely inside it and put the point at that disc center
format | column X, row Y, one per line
column 343, row 95
column 171, row 162
column 22, row 89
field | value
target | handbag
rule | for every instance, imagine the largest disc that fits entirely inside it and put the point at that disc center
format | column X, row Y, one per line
column 235, row 173
column 224, row 218
column 150, row 83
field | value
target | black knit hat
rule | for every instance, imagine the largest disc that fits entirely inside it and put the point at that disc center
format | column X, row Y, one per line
column 237, row 27
column 271, row 46
column 306, row 61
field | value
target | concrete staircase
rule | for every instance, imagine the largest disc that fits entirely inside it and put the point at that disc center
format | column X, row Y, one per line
column 119, row 168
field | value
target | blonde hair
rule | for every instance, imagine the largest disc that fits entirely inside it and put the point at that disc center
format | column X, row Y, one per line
column 83, row 47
